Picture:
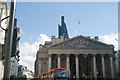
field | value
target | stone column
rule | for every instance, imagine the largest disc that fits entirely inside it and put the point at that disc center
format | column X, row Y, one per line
column 85, row 66
column 111, row 63
column 39, row 66
column 94, row 66
column 103, row 66
column 68, row 61
column 59, row 60
column 77, row 66
column 50, row 62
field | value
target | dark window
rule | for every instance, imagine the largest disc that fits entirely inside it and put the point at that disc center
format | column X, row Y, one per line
column 60, row 73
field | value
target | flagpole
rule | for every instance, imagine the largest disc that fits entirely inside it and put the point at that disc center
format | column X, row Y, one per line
column 78, row 26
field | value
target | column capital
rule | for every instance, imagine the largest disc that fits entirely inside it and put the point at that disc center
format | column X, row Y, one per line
column 94, row 55
column 102, row 55
column 111, row 55
column 76, row 54
column 49, row 55
column 58, row 54
column 67, row 54
column 85, row 55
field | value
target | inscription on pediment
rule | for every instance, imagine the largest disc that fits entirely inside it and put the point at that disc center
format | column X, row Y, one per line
column 77, row 43
column 80, row 43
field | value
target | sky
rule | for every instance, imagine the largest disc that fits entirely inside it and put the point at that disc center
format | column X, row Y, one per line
column 38, row 21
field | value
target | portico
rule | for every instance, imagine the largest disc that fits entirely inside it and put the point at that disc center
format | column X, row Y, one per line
column 89, row 66
column 84, row 57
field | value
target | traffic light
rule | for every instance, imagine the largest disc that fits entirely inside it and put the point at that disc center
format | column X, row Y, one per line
column 15, row 41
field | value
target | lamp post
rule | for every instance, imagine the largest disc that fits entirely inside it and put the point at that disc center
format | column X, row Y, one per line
column 8, row 41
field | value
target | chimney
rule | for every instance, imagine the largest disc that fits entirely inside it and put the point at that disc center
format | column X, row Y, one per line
column 62, row 37
column 96, row 38
column 88, row 36
column 40, row 47
column 53, row 37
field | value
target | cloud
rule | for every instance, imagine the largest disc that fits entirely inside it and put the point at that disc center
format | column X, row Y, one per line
column 28, row 51
column 111, row 38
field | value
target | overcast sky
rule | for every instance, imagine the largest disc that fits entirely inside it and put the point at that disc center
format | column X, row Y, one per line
column 38, row 21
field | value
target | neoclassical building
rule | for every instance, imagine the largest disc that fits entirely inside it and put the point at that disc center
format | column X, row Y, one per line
column 85, row 57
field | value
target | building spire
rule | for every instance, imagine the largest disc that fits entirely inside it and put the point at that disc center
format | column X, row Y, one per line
column 62, row 30
column 62, row 20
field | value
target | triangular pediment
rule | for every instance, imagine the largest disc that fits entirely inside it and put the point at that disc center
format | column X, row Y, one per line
column 81, row 42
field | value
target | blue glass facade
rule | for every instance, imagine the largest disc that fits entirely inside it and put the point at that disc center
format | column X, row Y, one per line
column 62, row 30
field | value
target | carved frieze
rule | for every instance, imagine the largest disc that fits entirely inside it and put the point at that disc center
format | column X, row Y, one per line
column 80, row 43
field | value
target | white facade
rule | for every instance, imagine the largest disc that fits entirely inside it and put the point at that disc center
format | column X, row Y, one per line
column 4, row 23
column 23, row 71
column 14, row 66
column 1, row 69
column 28, row 74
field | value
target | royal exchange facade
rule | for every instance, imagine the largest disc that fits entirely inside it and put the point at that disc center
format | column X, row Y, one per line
column 85, row 57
